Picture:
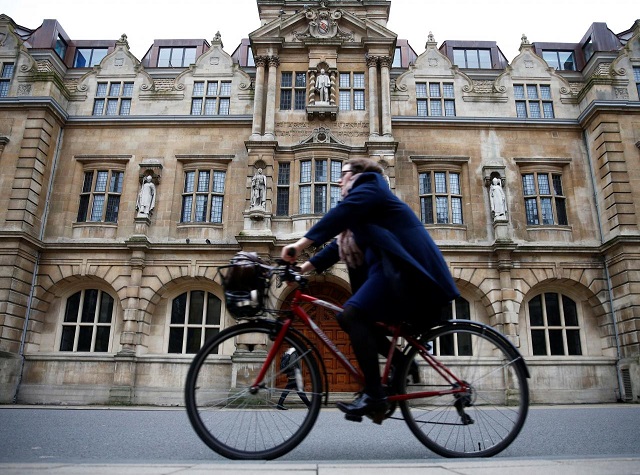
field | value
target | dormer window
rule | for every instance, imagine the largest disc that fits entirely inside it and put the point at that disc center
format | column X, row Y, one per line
column 61, row 47
column 176, row 57
column 472, row 58
column 89, row 57
column 560, row 60
column 587, row 49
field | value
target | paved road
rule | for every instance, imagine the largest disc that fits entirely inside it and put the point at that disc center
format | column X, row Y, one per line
column 150, row 435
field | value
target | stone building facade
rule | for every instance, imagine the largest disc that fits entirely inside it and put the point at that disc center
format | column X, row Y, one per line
column 525, row 171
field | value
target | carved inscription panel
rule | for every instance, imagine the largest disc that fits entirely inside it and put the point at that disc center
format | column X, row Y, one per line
column 347, row 132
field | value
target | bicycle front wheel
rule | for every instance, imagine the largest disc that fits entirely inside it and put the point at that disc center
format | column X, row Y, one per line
column 483, row 420
column 239, row 421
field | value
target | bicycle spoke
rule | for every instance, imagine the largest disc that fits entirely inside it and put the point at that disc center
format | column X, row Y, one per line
column 244, row 421
column 489, row 407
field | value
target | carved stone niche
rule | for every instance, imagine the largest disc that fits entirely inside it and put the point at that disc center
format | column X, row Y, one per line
column 322, row 108
column 153, row 168
column 489, row 173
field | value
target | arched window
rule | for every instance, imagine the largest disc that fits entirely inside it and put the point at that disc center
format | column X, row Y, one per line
column 195, row 317
column 454, row 345
column 553, row 322
column 88, row 318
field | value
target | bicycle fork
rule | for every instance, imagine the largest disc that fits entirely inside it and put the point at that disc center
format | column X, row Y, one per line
column 271, row 356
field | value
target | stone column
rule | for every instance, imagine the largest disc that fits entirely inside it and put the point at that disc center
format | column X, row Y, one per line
column 507, row 321
column 258, row 101
column 312, row 88
column 372, row 64
column 129, row 336
column 270, row 115
column 385, row 87
column 333, row 88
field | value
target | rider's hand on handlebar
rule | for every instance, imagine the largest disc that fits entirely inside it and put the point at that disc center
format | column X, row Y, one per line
column 289, row 253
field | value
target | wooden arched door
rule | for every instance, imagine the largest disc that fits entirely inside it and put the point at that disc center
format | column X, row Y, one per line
column 338, row 378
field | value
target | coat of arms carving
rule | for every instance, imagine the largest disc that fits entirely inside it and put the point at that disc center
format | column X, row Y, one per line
column 323, row 23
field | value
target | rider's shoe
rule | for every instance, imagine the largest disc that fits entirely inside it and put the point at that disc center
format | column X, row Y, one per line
column 281, row 407
column 364, row 405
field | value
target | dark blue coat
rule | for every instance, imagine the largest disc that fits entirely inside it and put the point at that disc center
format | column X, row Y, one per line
column 394, row 240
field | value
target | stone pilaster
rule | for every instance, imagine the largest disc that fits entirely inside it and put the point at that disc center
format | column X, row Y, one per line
column 385, row 88
column 270, row 115
column 258, row 103
column 372, row 65
column 507, row 320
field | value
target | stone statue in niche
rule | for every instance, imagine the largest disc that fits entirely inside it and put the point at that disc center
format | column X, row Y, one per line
column 259, row 190
column 146, row 197
column 323, row 84
column 498, row 200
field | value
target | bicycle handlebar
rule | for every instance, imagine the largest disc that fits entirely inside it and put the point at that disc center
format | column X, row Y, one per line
column 289, row 272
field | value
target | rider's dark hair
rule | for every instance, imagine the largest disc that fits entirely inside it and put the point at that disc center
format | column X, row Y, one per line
column 361, row 165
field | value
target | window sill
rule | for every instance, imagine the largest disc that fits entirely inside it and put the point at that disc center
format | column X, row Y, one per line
column 94, row 230
column 549, row 227
column 203, row 224
column 457, row 227
column 93, row 224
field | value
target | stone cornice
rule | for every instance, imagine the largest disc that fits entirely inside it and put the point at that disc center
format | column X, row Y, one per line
column 198, row 120
column 31, row 102
column 607, row 106
column 486, row 121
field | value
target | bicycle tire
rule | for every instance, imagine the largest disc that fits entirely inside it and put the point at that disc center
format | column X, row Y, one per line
column 483, row 421
column 236, row 422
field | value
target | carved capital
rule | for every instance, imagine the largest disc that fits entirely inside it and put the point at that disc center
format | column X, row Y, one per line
column 385, row 61
column 372, row 61
column 261, row 61
column 274, row 61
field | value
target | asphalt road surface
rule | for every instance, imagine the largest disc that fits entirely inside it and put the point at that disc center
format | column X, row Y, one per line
column 35, row 434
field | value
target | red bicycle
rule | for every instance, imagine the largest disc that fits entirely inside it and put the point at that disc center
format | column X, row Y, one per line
column 472, row 400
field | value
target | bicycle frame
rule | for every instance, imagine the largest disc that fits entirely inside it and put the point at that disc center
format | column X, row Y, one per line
column 457, row 386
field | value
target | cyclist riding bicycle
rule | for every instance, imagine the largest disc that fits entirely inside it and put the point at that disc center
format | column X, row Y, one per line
column 397, row 273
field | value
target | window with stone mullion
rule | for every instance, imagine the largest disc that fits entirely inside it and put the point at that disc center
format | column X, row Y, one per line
column 319, row 189
column 211, row 98
column 554, row 325
column 284, row 176
column 5, row 78
column 351, row 91
column 435, row 99
column 97, row 202
column 87, row 322
column 293, row 90
column 544, row 201
column 536, row 104
column 440, row 198
column 455, row 344
column 195, row 318
column 203, row 196
column 118, row 98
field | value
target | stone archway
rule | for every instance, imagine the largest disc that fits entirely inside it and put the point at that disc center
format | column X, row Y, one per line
column 339, row 379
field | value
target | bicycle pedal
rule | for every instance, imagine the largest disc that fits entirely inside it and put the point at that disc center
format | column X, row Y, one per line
column 377, row 417
column 353, row 418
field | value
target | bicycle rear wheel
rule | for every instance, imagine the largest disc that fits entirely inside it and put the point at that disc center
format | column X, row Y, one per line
column 486, row 418
column 237, row 421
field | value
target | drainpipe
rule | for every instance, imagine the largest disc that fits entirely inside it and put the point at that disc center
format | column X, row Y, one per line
column 606, row 267
column 45, row 215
